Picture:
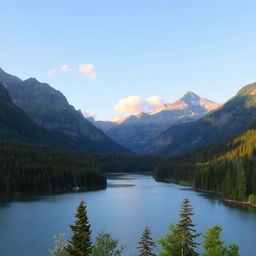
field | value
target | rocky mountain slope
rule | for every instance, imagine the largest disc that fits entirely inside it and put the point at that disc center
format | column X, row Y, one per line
column 229, row 120
column 137, row 131
column 16, row 126
column 49, row 109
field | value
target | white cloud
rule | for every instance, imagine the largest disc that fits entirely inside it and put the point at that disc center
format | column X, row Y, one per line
column 130, row 105
column 65, row 68
column 88, row 70
column 51, row 72
column 133, row 105
column 154, row 100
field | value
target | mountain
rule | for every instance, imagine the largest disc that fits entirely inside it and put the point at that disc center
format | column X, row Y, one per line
column 16, row 126
column 190, row 103
column 137, row 131
column 229, row 120
column 103, row 125
column 49, row 109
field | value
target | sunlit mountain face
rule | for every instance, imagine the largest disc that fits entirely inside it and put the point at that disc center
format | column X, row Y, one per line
column 136, row 131
column 231, row 119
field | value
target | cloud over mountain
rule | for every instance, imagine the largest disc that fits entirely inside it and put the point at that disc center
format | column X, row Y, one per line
column 134, row 104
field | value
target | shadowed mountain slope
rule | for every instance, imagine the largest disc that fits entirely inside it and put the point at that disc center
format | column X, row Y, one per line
column 49, row 109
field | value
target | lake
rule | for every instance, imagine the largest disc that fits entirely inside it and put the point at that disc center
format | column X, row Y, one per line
column 130, row 202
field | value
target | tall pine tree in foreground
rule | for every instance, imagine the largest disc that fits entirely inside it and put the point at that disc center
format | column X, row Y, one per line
column 80, row 243
column 146, row 243
column 186, row 231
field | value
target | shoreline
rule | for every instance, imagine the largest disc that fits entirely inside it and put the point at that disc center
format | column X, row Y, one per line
column 19, row 195
column 226, row 200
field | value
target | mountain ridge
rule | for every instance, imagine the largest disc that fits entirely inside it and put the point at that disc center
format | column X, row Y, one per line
column 137, row 131
column 16, row 126
column 229, row 120
column 49, row 109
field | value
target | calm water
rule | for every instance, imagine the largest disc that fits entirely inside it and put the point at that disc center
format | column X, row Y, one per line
column 128, row 204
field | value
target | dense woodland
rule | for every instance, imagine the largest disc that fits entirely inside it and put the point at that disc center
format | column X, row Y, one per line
column 228, row 168
column 32, row 168
column 27, row 168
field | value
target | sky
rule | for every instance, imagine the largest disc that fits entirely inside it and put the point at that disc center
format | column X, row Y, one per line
column 112, row 58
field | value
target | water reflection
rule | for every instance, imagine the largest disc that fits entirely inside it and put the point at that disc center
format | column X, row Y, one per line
column 129, row 203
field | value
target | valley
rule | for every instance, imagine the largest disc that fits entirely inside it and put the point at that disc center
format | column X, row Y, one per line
column 48, row 147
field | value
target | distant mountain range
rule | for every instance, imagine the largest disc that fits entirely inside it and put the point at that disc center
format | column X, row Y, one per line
column 222, row 124
column 35, row 112
column 137, row 131
column 48, row 108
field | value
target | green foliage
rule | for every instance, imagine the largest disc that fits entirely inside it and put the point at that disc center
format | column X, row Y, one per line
column 252, row 199
column 214, row 246
column 33, row 168
column 170, row 244
column 106, row 245
column 80, row 243
column 232, row 250
column 186, row 230
column 118, row 163
column 180, row 240
column 146, row 243
column 28, row 168
column 228, row 168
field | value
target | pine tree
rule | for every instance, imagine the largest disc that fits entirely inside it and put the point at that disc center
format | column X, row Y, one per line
column 241, row 185
column 186, row 230
column 146, row 243
column 80, row 243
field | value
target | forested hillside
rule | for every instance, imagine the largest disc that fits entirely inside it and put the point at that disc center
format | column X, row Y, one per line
column 31, row 168
column 228, row 168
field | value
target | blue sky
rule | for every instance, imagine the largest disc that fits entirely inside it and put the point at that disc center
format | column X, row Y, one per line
column 145, row 48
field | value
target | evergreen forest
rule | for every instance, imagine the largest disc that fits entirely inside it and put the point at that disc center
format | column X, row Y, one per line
column 228, row 168
column 27, row 168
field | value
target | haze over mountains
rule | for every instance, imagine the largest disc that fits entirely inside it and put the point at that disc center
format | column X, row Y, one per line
column 137, row 131
column 49, row 109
